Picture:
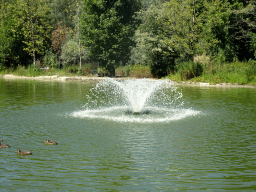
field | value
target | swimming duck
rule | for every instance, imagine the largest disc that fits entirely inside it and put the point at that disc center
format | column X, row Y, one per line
column 24, row 152
column 3, row 145
column 51, row 142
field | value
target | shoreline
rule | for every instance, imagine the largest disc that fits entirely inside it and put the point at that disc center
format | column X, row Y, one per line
column 94, row 78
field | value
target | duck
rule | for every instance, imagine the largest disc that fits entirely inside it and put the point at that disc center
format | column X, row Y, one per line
column 3, row 145
column 51, row 142
column 24, row 152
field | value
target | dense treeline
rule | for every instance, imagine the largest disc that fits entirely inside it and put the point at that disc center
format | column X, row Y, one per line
column 165, row 35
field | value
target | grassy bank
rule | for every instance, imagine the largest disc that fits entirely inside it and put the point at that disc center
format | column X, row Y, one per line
column 32, row 71
column 136, row 71
column 241, row 73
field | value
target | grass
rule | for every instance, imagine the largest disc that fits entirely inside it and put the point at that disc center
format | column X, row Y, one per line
column 32, row 71
column 137, row 71
column 242, row 73
column 140, row 71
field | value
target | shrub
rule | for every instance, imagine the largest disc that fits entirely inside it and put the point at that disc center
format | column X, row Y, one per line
column 189, row 70
column 50, row 59
column 33, row 71
column 102, row 71
column 71, row 69
column 20, row 71
column 123, row 70
column 251, row 71
column 202, row 59
column 70, row 53
column 2, row 68
column 140, row 71
column 86, row 69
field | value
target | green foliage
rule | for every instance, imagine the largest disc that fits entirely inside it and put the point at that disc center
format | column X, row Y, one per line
column 107, row 28
column 189, row 70
column 6, row 39
column 71, row 69
column 59, row 37
column 31, row 71
column 251, row 71
column 242, row 21
column 70, row 53
column 237, row 72
column 160, row 33
column 63, row 11
column 35, row 26
column 140, row 71
column 102, row 71
column 20, row 71
column 173, row 32
column 86, row 69
column 75, row 70
column 147, row 37
column 11, row 46
column 50, row 59
column 151, row 48
column 2, row 69
column 174, row 77
column 123, row 70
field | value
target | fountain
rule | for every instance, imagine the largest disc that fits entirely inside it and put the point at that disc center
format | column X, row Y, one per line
column 135, row 100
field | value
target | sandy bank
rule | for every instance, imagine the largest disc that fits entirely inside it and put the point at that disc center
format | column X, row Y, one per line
column 94, row 78
column 54, row 78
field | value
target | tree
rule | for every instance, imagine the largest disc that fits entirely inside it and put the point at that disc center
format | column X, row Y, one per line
column 63, row 11
column 153, row 40
column 72, row 53
column 242, row 27
column 6, row 37
column 150, row 48
column 36, row 26
column 59, row 38
column 11, row 45
column 107, row 28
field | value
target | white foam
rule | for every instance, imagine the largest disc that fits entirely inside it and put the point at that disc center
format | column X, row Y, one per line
column 118, row 114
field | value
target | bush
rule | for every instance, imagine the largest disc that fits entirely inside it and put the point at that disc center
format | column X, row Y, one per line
column 71, row 69
column 70, row 53
column 140, row 71
column 123, row 70
column 189, row 70
column 2, row 68
column 33, row 71
column 50, row 59
column 20, row 71
column 251, row 71
column 202, row 59
column 86, row 69
column 102, row 71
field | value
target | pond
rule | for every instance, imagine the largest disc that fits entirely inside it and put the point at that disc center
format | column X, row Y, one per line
column 211, row 145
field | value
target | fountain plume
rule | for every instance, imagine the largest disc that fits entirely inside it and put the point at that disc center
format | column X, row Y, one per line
column 138, row 100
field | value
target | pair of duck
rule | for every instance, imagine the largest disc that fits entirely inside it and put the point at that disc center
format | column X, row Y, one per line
column 50, row 142
column 18, row 150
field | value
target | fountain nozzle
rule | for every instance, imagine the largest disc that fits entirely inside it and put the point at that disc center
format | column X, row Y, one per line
column 146, row 112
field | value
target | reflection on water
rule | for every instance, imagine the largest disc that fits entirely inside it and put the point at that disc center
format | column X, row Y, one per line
column 212, row 150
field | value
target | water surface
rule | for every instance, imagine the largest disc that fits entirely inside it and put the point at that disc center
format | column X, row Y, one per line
column 213, row 149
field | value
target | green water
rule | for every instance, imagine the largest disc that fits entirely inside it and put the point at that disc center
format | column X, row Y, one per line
column 214, row 150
